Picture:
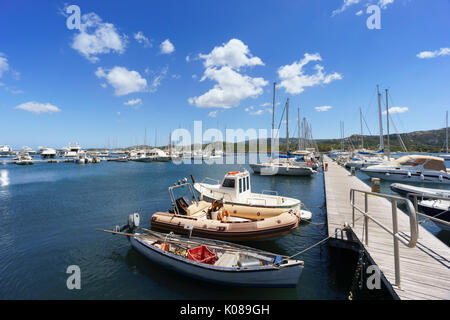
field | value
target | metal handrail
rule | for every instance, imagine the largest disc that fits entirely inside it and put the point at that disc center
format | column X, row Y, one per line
column 270, row 192
column 210, row 179
column 424, row 196
column 256, row 198
column 172, row 197
column 414, row 227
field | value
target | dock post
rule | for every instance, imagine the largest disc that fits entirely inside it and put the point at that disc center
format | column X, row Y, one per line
column 376, row 185
column 396, row 249
column 366, row 219
column 352, row 171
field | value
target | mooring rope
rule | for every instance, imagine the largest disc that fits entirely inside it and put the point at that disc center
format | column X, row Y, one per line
column 323, row 240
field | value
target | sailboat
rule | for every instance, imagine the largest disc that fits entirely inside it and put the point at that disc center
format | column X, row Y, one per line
column 283, row 165
column 446, row 156
column 410, row 168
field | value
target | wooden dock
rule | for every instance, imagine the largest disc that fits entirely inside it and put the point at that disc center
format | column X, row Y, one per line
column 424, row 269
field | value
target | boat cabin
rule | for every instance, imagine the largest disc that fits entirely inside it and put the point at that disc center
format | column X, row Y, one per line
column 236, row 183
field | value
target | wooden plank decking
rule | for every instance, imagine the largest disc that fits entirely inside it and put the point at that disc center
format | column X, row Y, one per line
column 424, row 269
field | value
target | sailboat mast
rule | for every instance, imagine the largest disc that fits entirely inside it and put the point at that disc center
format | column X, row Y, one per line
column 387, row 126
column 360, row 120
column 446, row 131
column 273, row 116
column 287, row 125
column 298, row 127
column 381, row 119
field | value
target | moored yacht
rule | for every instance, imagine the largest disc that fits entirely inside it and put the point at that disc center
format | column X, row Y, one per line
column 48, row 153
column 72, row 151
column 283, row 168
column 5, row 150
column 23, row 159
column 412, row 168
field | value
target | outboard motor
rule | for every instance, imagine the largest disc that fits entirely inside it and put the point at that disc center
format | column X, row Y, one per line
column 133, row 223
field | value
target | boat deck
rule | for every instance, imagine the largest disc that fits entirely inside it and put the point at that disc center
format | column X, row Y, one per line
column 424, row 269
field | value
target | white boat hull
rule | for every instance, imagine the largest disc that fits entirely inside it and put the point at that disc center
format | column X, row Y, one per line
column 392, row 175
column 281, row 170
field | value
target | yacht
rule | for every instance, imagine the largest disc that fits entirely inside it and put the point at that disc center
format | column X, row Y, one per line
column 72, row 151
column 283, row 167
column 158, row 155
column 411, row 168
column 5, row 150
column 23, row 159
column 48, row 153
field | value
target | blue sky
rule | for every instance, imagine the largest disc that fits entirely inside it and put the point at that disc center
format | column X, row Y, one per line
column 217, row 64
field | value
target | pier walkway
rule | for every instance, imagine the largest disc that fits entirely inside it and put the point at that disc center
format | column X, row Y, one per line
column 423, row 270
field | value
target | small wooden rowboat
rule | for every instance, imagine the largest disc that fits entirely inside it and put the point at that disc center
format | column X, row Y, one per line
column 213, row 260
column 203, row 219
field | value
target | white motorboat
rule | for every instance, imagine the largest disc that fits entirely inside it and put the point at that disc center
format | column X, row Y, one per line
column 439, row 209
column 282, row 168
column 359, row 162
column 72, row 151
column 411, row 168
column 48, row 153
column 235, row 192
column 212, row 260
column 5, row 150
column 23, row 159
column 83, row 158
column 404, row 189
column 158, row 155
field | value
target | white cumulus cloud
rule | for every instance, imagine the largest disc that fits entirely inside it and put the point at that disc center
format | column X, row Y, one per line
column 345, row 5
column 323, row 108
column 251, row 110
column 396, row 110
column 122, row 80
column 37, row 107
column 133, row 102
column 142, row 39
column 166, row 47
column 222, row 66
column 97, row 37
column 4, row 66
column 231, row 88
column 213, row 114
column 294, row 80
column 234, row 54
column 384, row 3
column 434, row 54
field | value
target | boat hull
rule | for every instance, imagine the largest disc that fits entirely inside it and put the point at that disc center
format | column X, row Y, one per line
column 402, row 176
column 403, row 190
column 251, row 277
column 227, row 231
column 281, row 170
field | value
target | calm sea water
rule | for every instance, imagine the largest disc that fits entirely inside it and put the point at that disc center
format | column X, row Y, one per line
column 49, row 213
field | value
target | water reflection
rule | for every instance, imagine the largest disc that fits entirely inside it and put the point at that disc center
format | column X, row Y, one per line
column 4, row 178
